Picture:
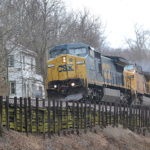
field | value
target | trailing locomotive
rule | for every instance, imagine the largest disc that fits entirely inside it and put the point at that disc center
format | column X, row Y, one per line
column 79, row 72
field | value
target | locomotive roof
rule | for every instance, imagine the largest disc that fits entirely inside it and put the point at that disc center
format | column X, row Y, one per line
column 119, row 60
column 68, row 46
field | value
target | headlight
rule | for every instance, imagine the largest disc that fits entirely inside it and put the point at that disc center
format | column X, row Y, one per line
column 73, row 84
column 55, row 86
column 64, row 59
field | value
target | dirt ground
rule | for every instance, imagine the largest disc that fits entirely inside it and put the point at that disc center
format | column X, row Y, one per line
column 106, row 139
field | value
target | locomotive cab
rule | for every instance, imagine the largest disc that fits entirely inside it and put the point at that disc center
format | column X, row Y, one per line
column 66, row 74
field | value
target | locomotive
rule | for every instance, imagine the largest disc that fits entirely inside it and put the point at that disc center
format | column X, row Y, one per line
column 77, row 71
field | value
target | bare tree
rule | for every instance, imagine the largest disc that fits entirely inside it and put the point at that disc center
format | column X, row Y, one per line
column 83, row 27
column 7, row 33
column 90, row 29
column 139, row 46
column 138, row 50
column 42, row 24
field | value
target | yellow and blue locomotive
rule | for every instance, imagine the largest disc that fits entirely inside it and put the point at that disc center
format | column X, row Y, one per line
column 78, row 71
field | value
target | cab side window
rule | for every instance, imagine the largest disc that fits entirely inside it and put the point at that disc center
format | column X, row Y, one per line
column 97, row 55
column 99, row 68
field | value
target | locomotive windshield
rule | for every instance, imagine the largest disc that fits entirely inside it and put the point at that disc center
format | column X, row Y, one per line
column 129, row 67
column 56, row 53
column 133, row 67
column 74, row 51
column 78, row 52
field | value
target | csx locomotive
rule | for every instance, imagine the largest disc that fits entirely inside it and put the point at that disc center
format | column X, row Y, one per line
column 79, row 72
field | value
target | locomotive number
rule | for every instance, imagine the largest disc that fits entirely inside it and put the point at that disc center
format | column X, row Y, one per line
column 64, row 68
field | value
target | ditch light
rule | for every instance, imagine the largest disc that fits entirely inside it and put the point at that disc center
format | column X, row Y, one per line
column 73, row 84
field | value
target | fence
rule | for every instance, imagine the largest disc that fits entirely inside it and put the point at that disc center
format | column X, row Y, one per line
column 56, row 117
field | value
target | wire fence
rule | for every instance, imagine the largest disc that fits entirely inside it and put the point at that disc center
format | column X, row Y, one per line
column 56, row 117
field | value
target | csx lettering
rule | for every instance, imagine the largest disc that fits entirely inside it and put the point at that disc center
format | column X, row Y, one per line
column 64, row 68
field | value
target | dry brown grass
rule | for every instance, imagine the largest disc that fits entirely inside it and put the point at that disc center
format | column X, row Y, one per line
column 108, row 139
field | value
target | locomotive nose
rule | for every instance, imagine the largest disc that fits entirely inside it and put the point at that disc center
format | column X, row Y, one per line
column 66, row 67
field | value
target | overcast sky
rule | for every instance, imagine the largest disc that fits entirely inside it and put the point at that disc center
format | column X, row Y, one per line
column 120, row 16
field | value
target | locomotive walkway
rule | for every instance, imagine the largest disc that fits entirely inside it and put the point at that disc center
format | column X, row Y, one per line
column 56, row 117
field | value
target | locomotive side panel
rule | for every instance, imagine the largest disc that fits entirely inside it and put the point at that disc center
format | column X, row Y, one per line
column 140, row 83
column 134, row 81
column 110, row 74
column 94, row 76
column 147, row 84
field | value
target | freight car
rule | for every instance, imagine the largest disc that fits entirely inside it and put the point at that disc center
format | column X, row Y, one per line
column 79, row 72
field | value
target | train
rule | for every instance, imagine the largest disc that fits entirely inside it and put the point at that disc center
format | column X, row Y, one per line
column 78, row 72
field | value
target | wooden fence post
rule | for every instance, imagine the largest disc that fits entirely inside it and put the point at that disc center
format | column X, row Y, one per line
column 43, row 118
column 67, row 126
column 117, row 115
column 120, row 114
column 61, row 113
column 37, row 115
column 78, row 118
column 81, row 114
column 85, row 116
column 114, row 120
column 30, row 114
column 26, row 119
column 73, row 117
column 130, row 117
column 103, row 120
column 1, row 110
column 127, row 116
column 7, row 112
column 99, row 113
column 139, row 116
column 54, row 117
column 20, row 116
column 146, row 116
column 15, row 114
column 110, row 111
column 94, row 113
column 90, row 116
column 123, row 115
column 136, row 117
column 142, row 117
column 149, row 117
column 49, row 118
column 133, row 118
column 106, row 114
column 59, row 117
